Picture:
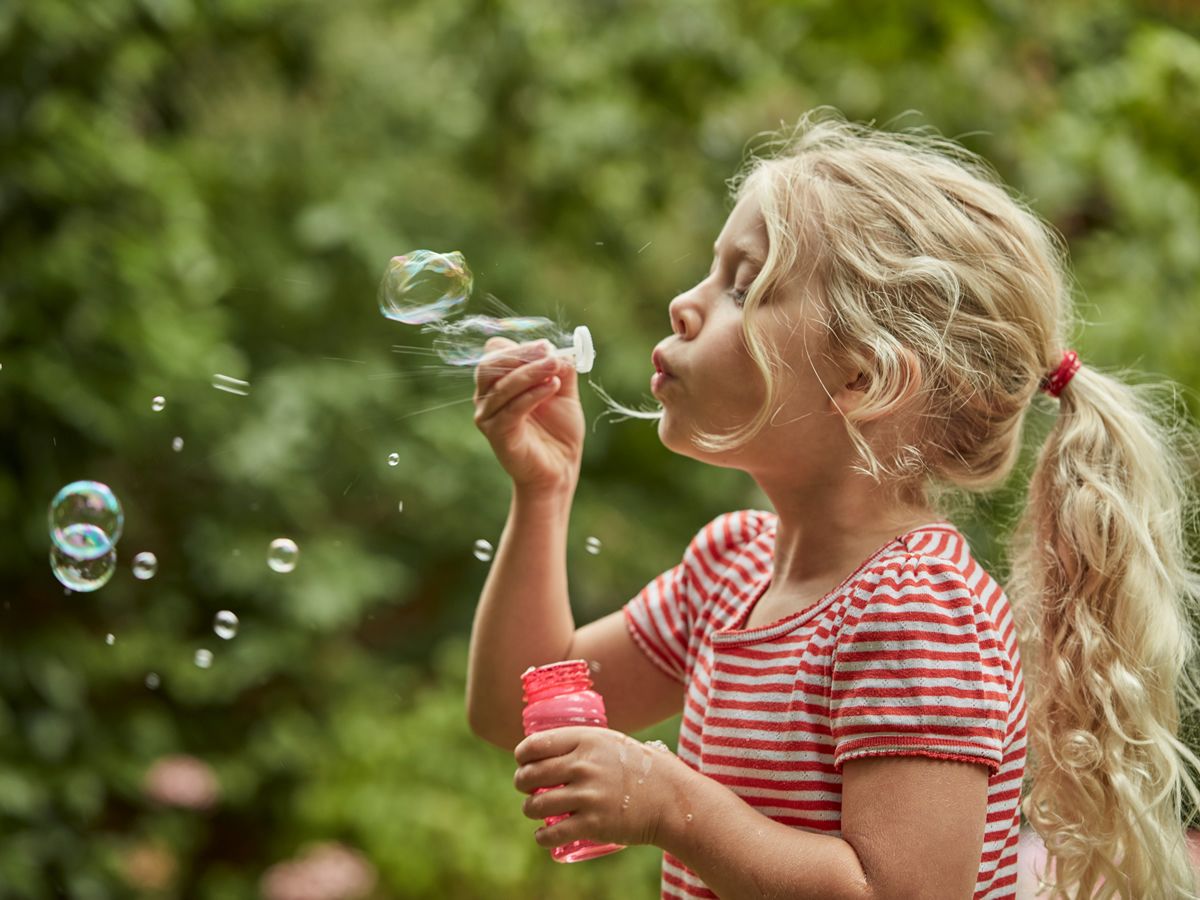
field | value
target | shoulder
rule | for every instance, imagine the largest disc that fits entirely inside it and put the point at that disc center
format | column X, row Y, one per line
column 723, row 541
column 730, row 533
column 911, row 583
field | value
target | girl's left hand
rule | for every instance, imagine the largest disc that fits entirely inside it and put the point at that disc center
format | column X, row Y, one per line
column 615, row 788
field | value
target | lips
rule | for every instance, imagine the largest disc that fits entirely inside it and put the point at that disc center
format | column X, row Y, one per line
column 660, row 364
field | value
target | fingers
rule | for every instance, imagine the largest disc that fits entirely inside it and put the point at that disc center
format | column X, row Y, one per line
column 560, row 801
column 518, row 391
column 549, row 743
column 502, row 356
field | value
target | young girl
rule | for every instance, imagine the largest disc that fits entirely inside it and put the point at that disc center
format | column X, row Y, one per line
column 879, row 317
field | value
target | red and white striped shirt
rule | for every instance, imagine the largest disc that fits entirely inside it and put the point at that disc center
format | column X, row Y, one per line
column 915, row 653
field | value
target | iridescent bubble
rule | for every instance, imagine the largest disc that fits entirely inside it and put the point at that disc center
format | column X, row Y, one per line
column 95, row 513
column 177, row 444
column 282, row 555
column 85, row 541
column 158, row 403
column 152, row 680
column 483, row 550
column 82, row 574
column 461, row 343
column 423, row 286
column 593, row 545
column 393, row 459
column 145, row 564
column 110, row 639
column 225, row 625
column 203, row 658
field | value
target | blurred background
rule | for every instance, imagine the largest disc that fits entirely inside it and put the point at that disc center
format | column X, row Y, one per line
column 199, row 187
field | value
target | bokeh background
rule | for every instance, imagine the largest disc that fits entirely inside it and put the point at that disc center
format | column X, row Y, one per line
column 194, row 187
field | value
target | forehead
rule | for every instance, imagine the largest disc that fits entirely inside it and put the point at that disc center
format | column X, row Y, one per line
column 745, row 230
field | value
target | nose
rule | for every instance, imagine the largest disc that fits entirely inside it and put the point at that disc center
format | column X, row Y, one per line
column 685, row 318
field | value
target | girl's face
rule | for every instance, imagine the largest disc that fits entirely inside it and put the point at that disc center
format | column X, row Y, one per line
column 707, row 381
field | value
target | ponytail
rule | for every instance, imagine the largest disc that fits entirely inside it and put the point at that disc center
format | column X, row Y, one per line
column 1105, row 598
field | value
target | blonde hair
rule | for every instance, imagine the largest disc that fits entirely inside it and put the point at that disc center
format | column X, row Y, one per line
column 953, row 299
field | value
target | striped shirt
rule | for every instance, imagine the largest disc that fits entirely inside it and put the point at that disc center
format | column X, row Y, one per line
column 914, row 653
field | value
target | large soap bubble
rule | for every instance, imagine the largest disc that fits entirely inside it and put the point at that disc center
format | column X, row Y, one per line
column 423, row 286
column 85, row 520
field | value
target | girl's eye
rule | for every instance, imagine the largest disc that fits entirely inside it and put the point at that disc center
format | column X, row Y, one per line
column 738, row 295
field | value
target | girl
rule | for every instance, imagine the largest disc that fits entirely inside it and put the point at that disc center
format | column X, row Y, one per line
column 878, row 318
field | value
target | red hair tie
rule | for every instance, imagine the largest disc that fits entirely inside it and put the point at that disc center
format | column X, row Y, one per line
column 1053, row 383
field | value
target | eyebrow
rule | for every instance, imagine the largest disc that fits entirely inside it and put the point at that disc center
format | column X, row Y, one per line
column 747, row 249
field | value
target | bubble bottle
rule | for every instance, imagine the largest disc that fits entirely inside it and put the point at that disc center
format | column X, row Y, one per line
column 558, row 695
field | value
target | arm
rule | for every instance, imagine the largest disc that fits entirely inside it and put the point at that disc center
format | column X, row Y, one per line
column 528, row 409
column 524, row 617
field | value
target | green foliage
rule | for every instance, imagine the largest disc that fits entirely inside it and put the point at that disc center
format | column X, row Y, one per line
column 198, row 188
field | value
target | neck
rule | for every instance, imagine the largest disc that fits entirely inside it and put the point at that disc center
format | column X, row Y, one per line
column 826, row 531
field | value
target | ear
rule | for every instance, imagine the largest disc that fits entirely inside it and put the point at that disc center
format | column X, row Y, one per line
column 905, row 383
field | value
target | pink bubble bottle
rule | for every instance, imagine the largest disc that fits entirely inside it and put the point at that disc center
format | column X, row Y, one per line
column 558, row 695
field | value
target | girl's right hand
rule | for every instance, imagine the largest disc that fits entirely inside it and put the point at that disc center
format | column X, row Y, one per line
column 527, row 406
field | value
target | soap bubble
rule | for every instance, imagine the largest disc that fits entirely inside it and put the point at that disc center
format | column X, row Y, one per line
column 177, row 444
column 144, row 566
column 158, row 403
column 483, row 550
column 225, row 625
column 231, row 385
column 83, row 541
column 89, row 504
column 110, row 639
column 152, row 680
column 393, row 459
column 423, row 286
column 82, row 574
column 400, row 506
column 281, row 556
column 203, row 658
column 593, row 545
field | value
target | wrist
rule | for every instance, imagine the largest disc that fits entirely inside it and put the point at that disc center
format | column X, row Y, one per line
column 674, row 827
column 550, row 496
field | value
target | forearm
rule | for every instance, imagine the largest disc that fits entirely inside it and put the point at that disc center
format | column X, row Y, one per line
column 524, row 614
column 740, row 853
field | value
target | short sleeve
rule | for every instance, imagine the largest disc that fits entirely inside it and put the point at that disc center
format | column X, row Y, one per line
column 918, row 669
column 662, row 617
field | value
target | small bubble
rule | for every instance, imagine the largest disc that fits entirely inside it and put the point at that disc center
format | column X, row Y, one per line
column 483, row 550
column 688, row 817
column 231, row 385
column 593, row 545
column 625, row 802
column 400, row 506
column 110, row 639
column 282, row 555
column 158, row 403
column 225, row 624
column 203, row 658
column 152, row 681
column 393, row 459
column 144, row 566
column 641, row 781
column 177, row 444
